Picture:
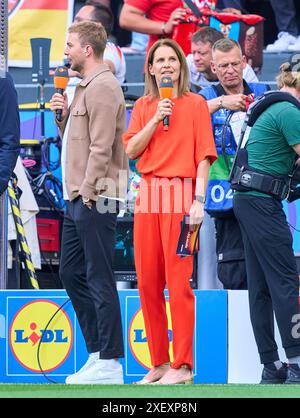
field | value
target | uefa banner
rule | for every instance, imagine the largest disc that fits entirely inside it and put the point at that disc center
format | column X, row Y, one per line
column 37, row 19
column 41, row 341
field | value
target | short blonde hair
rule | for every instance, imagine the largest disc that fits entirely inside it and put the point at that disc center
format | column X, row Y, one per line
column 90, row 33
column 151, row 87
column 226, row 45
column 287, row 77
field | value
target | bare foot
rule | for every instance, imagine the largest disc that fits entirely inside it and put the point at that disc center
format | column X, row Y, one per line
column 182, row 375
column 155, row 374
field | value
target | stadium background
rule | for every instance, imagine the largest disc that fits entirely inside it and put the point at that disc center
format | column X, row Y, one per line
column 223, row 329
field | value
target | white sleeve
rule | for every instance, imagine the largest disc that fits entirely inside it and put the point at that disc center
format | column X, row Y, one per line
column 115, row 55
column 249, row 75
column 111, row 54
column 190, row 62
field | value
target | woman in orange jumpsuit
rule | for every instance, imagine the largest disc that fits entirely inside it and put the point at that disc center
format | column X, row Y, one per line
column 174, row 165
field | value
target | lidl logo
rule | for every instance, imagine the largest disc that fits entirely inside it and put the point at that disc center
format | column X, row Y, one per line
column 35, row 347
column 138, row 339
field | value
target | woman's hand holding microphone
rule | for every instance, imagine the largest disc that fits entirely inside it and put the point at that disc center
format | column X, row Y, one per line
column 164, row 108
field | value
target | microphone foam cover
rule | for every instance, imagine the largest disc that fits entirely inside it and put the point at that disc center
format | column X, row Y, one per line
column 61, row 78
column 166, row 87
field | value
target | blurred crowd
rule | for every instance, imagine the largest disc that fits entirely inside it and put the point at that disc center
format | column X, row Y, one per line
column 281, row 32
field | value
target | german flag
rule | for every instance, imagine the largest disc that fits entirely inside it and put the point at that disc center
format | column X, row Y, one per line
column 37, row 19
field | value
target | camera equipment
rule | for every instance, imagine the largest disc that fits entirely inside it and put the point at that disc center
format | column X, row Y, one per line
column 42, row 183
column 245, row 178
column 40, row 49
column 30, row 154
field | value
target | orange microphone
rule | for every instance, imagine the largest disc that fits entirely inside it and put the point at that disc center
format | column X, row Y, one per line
column 166, row 92
column 61, row 78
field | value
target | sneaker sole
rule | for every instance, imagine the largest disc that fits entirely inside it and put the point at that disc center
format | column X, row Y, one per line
column 98, row 382
column 272, row 382
column 291, row 383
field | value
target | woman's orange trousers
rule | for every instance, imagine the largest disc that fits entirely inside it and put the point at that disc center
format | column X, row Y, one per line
column 160, row 206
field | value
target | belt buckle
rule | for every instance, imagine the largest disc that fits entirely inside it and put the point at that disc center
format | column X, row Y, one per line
column 276, row 186
column 280, row 188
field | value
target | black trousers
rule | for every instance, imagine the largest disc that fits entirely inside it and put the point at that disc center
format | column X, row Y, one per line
column 272, row 277
column 86, row 270
column 285, row 16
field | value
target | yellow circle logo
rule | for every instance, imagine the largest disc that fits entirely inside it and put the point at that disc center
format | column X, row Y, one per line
column 27, row 333
column 138, row 339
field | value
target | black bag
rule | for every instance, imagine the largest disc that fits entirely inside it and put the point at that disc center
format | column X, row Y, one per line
column 231, row 267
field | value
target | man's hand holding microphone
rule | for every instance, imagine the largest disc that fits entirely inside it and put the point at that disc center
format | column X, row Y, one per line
column 59, row 100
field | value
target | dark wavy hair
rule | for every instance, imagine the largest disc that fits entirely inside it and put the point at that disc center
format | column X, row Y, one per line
column 207, row 35
column 102, row 14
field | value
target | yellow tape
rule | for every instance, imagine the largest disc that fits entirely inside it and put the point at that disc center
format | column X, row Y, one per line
column 11, row 193
column 21, row 229
column 16, row 211
column 25, row 248
column 30, row 266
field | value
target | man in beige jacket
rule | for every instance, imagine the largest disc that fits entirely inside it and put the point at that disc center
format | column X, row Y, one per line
column 95, row 175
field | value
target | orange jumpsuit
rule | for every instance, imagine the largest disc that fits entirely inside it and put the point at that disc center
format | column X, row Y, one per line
column 168, row 166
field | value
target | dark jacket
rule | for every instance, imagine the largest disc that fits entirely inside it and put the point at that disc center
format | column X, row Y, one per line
column 9, row 130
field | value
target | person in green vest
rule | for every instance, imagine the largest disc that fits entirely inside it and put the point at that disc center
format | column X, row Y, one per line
column 272, row 276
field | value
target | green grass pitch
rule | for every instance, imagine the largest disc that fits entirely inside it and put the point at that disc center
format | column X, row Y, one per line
column 149, row 391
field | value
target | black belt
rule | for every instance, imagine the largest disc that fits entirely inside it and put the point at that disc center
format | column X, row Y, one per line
column 265, row 183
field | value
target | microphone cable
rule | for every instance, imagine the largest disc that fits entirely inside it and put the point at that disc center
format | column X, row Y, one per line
column 46, row 153
column 42, row 336
column 293, row 227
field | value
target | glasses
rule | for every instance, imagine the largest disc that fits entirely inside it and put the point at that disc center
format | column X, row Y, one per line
column 224, row 67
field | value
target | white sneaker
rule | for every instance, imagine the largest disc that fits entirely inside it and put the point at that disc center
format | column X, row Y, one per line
column 296, row 46
column 101, row 372
column 93, row 357
column 282, row 44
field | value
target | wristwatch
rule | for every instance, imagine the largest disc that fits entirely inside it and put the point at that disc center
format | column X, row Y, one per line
column 199, row 198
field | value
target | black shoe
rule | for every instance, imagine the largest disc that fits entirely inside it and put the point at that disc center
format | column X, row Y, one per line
column 273, row 376
column 293, row 375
